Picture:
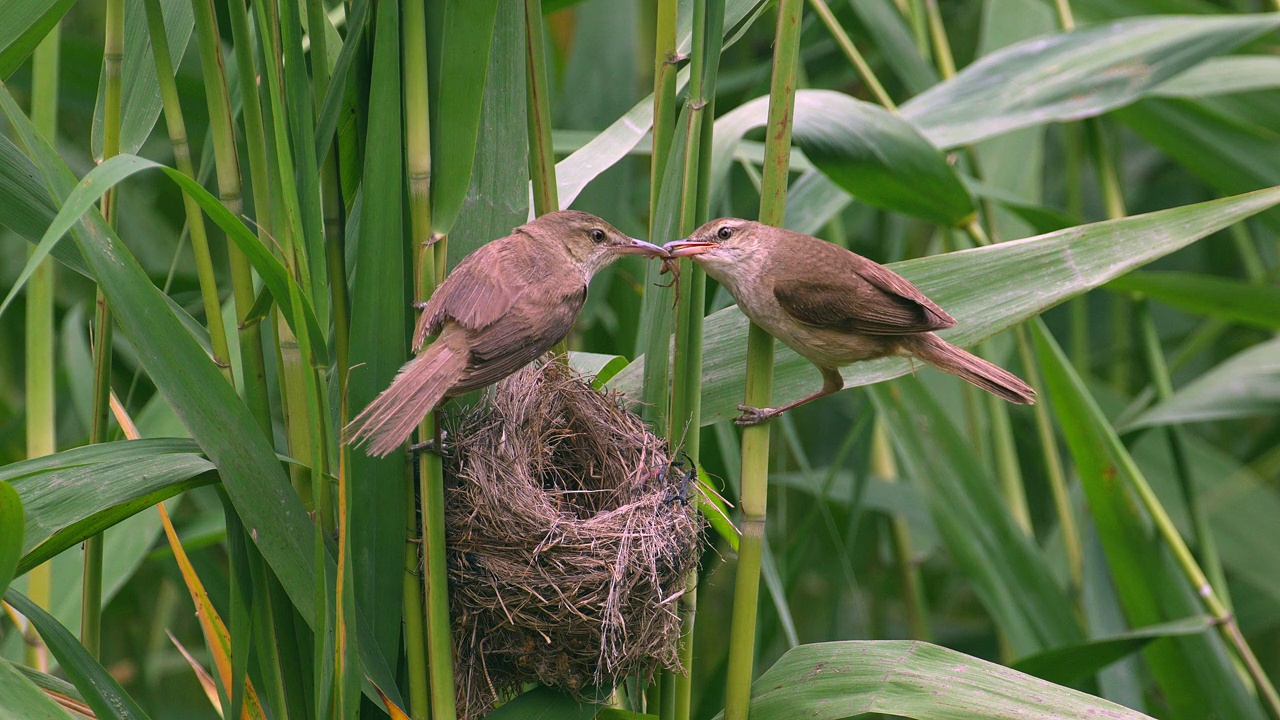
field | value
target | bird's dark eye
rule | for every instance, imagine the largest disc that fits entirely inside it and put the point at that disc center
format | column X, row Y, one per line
column 597, row 235
column 724, row 233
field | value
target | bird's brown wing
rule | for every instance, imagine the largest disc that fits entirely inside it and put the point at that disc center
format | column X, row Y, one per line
column 479, row 291
column 519, row 338
column 852, row 294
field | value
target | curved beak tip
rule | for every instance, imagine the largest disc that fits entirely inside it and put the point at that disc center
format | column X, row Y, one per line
column 640, row 247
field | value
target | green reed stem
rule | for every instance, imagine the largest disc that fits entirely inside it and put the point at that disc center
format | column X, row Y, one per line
column 850, row 51
column 686, row 401
column 112, row 65
column 39, row 329
column 252, row 358
column 430, row 685
column 542, row 159
column 664, row 98
column 1201, row 535
column 884, row 466
column 177, row 128
column 759, row 380
column 1053, row 467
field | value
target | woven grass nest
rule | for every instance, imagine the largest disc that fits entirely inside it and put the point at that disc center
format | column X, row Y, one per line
column 569, row 541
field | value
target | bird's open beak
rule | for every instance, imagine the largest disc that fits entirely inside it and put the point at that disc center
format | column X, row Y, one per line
column 685, row 248
column 640, row 247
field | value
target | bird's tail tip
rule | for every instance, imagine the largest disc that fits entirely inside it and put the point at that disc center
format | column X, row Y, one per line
column 973, row 369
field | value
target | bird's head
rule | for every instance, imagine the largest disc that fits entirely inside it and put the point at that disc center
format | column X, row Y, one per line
column 722, row 244
column 588, row 240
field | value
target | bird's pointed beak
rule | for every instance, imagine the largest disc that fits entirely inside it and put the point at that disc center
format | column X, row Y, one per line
column 640, row 247
column 685, row 248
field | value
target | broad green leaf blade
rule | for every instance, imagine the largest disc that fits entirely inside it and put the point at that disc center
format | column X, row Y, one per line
column 1224, row 76
column 836, row 680
column 498, row 198
column 1235, row 300
column 1073, row 663
column 986, row 289
column 25, row 207
column 379, row 303
column 1196, row 673
column 867, row 151
column 75, row 494
column 140, row 92
column 26, row 22
column 1074, row 75
column 327, row 121
column 115, row 170
column 12, row 526
column 56, row 687
column 878, row 158
column 1245, row 385
column 455, row 117
column 1009, row 573
column 100, row 691
column 1227, row 149
column 543, row 703
column 20, row 699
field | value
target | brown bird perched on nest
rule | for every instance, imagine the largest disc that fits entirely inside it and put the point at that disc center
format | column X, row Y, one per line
column 502, row 307
column 832, row 306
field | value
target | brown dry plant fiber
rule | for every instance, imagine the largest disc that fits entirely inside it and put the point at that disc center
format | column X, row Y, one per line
column 568, row 542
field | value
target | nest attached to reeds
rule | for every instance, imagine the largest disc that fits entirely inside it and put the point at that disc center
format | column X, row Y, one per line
column 570, row 539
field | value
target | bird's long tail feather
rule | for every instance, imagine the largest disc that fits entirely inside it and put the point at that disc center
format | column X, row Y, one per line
column 419, row 386
column 990, row 377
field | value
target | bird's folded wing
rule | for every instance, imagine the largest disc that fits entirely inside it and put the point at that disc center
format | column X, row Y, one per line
column 857, row 303
column 478, row 292
column 519, row 337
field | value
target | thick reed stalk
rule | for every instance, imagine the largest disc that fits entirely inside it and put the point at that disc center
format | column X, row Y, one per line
column 1201, row 535
column 177, row 128
column 40, row 383
column 850, row 51
column 759, row 380
column 112, row 65
column 686, row 401
column 885, row 467
column 431, row 690
column 542, row 159
column 252, row 358
column 1053, row 467
column 664, row 97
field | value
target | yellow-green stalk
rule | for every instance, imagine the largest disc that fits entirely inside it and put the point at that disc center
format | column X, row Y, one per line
column 759, row 380
column 851, row 51
column 40, row 379
column 431, row 692
column 252, row 358
column 686, row 401
column 664, row 97
column 1201, row 533
column 884, row 466
column 112, row 66
column 542, row 159
column 177, row 128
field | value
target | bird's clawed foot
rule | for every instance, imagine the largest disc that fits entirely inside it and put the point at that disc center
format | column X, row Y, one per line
column 431, row 446
column 755, row 416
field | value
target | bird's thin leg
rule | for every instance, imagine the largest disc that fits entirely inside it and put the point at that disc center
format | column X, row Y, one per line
column 831, row 382
column 434, row 446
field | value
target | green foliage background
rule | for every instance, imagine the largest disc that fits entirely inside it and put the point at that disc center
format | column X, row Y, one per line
column 1068, row 541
